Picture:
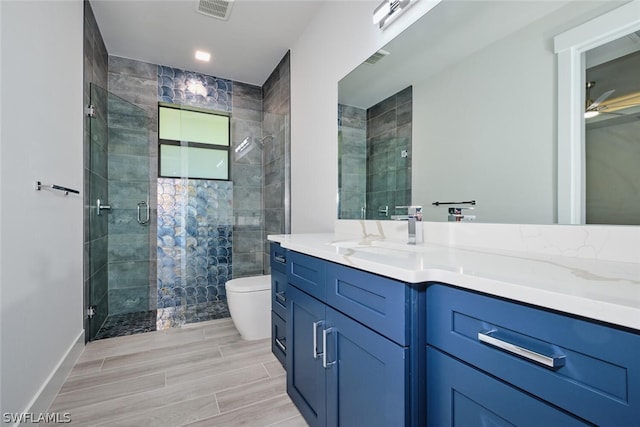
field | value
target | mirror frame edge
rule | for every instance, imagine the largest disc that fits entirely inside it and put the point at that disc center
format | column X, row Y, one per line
column 570, row 47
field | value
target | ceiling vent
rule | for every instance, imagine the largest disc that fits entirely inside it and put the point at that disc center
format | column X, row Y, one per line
column 220, row 9
column 377, row 56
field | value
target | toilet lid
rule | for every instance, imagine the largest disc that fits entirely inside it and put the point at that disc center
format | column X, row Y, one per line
column 249, row 284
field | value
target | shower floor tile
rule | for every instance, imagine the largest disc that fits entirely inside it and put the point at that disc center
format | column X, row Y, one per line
column 119, row 325
column 172, row 317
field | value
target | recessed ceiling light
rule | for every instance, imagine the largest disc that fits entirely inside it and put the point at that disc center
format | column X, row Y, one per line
column 203, row 56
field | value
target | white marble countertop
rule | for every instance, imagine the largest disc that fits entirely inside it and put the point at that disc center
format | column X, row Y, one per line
column 607, row 291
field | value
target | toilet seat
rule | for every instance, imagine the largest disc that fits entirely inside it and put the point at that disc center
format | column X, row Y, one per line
column 249, row 284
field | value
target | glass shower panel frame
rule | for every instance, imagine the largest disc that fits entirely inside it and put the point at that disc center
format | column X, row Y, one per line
column 119, row 256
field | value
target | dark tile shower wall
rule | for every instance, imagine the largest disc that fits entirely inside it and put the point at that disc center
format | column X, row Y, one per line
column 128, row 186
column 247, row 175
column 95, row 173
column 352, row 161
column 388, row 170
column 137, row 83
column 276, row 93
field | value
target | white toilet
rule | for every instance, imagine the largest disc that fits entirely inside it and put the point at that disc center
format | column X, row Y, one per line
column 249, row 300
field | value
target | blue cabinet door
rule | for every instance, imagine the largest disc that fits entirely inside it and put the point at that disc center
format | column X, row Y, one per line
column 366, row 380
column 306, row 383
column 459, row 395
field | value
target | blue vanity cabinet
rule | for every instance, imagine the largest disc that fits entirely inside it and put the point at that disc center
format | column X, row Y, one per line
column 278, row 256
column 367, row 375
column 489, row 357
column 459, row 395
column 306, row 376
column 350, row 360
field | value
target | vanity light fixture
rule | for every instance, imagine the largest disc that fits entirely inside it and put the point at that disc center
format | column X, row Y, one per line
column 203, row 56
column 389, row 10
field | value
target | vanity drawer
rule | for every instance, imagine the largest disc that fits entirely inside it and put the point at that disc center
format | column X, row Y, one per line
column 306, row 273
column 375, row 301
column 279, row 293
column 597, row 373
column 278, row 258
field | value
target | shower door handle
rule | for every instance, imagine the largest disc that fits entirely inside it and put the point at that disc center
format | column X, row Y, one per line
column 102, row 207
column 148, row 212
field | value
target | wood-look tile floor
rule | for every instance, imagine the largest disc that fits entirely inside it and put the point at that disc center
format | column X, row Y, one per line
column 202, row 374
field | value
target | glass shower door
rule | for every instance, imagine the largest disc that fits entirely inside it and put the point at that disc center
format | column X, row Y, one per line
column 119, row 259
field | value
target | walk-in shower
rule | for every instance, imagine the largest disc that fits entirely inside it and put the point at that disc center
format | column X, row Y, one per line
column 117, row 210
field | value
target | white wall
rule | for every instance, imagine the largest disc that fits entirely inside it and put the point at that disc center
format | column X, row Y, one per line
column 337, row 40
column 41, row 245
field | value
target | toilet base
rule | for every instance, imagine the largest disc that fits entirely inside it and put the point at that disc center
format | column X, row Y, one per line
column 249, row 300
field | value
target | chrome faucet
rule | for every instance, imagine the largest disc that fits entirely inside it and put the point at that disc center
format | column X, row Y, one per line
column 414, row 222
column 455, row 214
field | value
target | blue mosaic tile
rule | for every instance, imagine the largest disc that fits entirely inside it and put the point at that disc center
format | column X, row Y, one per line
column 195, row 217
column 194, row 89
column 194, row 241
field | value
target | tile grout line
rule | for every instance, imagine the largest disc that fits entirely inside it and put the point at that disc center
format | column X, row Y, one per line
column 110, row 383
column 282, row 421
column 222, row 373
column 255, row 402
column 266, row 370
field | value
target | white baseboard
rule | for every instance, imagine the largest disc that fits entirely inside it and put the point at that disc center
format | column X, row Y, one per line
column 47, row 393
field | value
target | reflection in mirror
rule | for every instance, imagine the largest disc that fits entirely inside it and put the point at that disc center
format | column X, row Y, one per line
column 612, row 134
column 485, row 102
column 596, row 183
column 374, row 168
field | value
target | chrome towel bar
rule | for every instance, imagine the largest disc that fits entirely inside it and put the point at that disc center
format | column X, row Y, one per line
column 40, row 185
column 470, row 202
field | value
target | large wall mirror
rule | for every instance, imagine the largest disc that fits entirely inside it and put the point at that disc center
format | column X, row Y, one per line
column 483, row 115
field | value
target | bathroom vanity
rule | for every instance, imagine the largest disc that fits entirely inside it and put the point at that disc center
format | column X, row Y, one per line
column 381, row 333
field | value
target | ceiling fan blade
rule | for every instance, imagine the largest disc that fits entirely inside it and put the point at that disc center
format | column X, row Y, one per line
column 600, row 99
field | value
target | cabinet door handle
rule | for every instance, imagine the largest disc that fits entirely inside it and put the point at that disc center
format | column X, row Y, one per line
column 281, row 345
column 317, row 325
column 325, row 333
column 554, row 361
column 282, row 297
column 280, row 258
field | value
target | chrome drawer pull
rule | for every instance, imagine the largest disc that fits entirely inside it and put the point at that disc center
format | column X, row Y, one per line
column 280, row 258
column 550, row 361
column 282, row 346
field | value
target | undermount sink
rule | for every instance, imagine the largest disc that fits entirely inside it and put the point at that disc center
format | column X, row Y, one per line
column 373, row 245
